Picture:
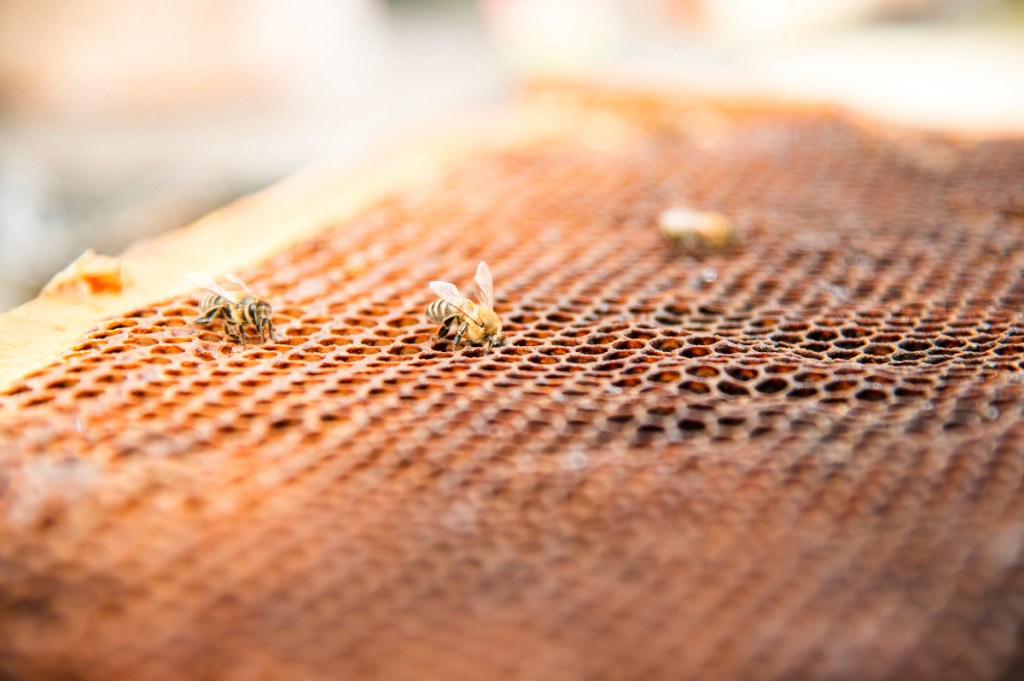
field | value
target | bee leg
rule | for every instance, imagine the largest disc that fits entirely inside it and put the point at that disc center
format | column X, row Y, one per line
column 446, row 326
column 203, row 319
column 235, row 332
column 458, row 336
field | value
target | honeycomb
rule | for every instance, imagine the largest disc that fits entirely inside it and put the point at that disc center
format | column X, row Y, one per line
column 799, row 459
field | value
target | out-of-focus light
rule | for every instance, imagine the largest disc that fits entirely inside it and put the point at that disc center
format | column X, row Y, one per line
column 553, row 36
column 141, row 59
column 767, row 19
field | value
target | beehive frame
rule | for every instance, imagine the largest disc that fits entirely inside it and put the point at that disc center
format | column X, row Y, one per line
column 799, row 459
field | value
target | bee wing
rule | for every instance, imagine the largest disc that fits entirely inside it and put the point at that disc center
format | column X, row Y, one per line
column 237, row 282
column 485, row 284
column 204, row 281
column 449, row 293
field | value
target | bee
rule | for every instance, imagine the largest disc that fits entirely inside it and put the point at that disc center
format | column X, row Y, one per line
column 694, row 231
column 477, row 322
column 235, row 313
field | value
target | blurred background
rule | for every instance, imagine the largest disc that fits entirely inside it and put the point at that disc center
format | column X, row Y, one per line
column 120, row 119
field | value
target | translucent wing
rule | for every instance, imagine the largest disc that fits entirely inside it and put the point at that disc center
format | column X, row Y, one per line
column 237, row 282
column 449, row 293
column 204, row 281
column 485, row 284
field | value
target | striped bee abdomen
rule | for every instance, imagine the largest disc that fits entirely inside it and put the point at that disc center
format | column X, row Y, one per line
column 213, row 306
column 211, row 302
column 439, row 311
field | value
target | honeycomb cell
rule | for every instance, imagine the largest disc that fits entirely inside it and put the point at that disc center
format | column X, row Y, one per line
column 732, row 388
column 772, row 385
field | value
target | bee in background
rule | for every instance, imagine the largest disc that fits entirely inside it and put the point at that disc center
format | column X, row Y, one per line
column 235, row 312
column 696, row 232
column 477, row 322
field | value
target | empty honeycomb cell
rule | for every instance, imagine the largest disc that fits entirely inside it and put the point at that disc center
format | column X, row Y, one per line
column 871, row 394
column 691, row 425
column 855, row 332
column 702, row 340
column 742, row 373
column 677, row 309
column 400, row 322
column 287, row 341
column 120, row 324
column 87, row 394
column 166, row 350
column 840, row 386
column 369, row 347
column 663, row 410
column 732, row 421
column 772, row 385
column 542, row 359
column 581, row 359
column 169, row 322
column 915, row 345
column 698, row 387
column 731, row 388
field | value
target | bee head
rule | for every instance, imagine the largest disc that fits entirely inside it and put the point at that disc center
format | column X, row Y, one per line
column 490, row 323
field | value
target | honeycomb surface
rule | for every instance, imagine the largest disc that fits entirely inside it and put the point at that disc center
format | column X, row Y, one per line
column 801, row 459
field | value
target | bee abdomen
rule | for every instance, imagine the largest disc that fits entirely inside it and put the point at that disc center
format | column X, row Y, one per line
column 208, row 303
column 439, row 310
